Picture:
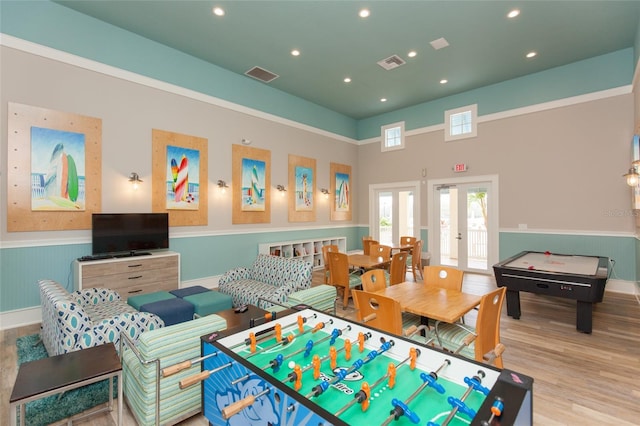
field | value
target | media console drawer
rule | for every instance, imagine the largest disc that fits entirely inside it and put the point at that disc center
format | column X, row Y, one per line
column 127, row 276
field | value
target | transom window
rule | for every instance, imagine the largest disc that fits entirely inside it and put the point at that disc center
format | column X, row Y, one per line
column 461, row 123
column 393, row 136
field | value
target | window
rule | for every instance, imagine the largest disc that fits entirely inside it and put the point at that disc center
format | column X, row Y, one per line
column 461, row 123
column 393, row 136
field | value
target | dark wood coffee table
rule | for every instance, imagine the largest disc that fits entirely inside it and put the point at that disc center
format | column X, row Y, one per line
column 56, row 374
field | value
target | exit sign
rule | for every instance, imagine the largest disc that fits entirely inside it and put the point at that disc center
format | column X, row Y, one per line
column 460, row 167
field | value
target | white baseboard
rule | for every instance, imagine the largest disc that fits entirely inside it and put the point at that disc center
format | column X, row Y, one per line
column 29, row 316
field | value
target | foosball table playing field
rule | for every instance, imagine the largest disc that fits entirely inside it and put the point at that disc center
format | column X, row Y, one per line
column 312, row 368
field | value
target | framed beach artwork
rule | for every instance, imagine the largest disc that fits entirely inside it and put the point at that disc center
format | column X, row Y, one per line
column 251, row 181
column 54, row 161
column 340, row 188
column 180, row 177
column 302, row 193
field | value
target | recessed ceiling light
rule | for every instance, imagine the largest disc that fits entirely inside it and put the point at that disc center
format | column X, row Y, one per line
column 218, row 11
column 383, row 100
column 364, row 13
column 513, row 13
column 532, row 54
column 347, row 80
column 295, row 52
column 412, row 54
column 444, row 81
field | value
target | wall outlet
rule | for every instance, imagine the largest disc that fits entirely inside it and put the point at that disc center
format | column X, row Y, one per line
column 522, row 226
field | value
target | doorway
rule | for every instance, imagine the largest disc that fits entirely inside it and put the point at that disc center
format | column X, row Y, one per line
column 463, row 222
column 394, row 211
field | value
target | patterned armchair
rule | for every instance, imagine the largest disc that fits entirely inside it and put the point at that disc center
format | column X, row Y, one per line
column 86, row 318
column 270, row 277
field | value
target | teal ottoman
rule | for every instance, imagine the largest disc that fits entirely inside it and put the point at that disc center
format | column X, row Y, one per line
column 143, row 299
column 209, row 302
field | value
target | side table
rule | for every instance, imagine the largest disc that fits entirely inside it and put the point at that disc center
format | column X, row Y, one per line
column 49, row 376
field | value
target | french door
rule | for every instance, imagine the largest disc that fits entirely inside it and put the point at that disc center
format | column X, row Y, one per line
column 394, row 211
column 463, row 222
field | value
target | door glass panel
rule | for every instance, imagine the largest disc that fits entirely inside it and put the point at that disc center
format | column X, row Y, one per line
column 448, row 226
column 477, row 227
column 385, row 217
column 405, row 215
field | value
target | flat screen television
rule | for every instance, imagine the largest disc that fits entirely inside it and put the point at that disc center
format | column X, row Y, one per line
column 128, row 233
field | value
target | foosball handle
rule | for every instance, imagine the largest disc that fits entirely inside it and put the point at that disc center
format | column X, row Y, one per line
column 189, row 381
column 173, row 369
column 413, row 417
column 236, row 407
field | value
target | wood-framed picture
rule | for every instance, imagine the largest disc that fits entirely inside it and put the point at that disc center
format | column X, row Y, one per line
column 180, row 177
column 341, row 198
column 251, row 184
column 54, row 169
column 302, row 189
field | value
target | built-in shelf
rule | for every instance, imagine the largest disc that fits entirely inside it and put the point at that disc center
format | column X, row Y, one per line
column 308, row 250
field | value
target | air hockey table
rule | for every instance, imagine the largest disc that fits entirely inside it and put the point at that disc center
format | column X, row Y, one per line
column 319, row 369
column 582, row 278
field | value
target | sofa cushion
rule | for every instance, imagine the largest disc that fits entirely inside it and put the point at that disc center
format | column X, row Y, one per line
column 250, row 291
column 143, row 299
column 278, row 271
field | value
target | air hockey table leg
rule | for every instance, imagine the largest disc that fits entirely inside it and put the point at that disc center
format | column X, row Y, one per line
column 584, row 314
column 513, row 304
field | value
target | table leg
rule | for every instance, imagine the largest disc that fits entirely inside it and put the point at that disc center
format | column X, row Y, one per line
column 584, row 316
column 513, row 303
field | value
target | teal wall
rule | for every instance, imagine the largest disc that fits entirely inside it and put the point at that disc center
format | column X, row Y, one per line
column 587, row 76
column 200, row 257
column 61, row 28
column 623, row 250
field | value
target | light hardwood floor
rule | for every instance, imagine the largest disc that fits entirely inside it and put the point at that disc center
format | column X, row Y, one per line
column 586, row 379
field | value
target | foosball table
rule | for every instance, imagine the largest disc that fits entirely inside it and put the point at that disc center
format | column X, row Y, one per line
column 312, row 368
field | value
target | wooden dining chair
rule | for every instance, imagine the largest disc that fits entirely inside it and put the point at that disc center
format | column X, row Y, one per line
column 325, row 250
column 380, row 250
column 385, row 313
column 408, row 241
column 485, row 335
column 398, row 268
column 366, row 245
column 340, row 277
column 444, row 276
column 414, row 261
column 374, row 280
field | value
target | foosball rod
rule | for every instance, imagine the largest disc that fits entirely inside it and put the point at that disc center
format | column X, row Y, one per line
column 474, row 383
column 192, row 380
column 317, row 327
column 175, row 368
column 268, row 331
column 236, row 407
column 358, row 397
column 428, row 380
column 277, row 361
column 340, row 375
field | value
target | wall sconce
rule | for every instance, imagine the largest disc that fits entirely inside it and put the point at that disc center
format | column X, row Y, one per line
column 222, row 185
column 282, row 189
column 632, row 176
column 325, row 191
column 135, row 180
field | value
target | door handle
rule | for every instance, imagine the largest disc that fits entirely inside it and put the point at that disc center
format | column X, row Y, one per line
column 459, row 237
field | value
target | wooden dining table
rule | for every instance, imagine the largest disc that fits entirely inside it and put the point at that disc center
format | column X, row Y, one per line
column 367, row 262
column 430, row 301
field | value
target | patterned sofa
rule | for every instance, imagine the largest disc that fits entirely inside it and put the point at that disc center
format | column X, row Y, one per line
column 86, row 318
column 271, row 278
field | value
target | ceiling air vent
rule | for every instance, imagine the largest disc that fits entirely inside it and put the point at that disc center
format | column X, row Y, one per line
column 261, row 74
column 391, row 62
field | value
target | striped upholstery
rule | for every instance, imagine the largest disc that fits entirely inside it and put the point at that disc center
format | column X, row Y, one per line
column 170, row 345
column 452, row 337
column 321, row 297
